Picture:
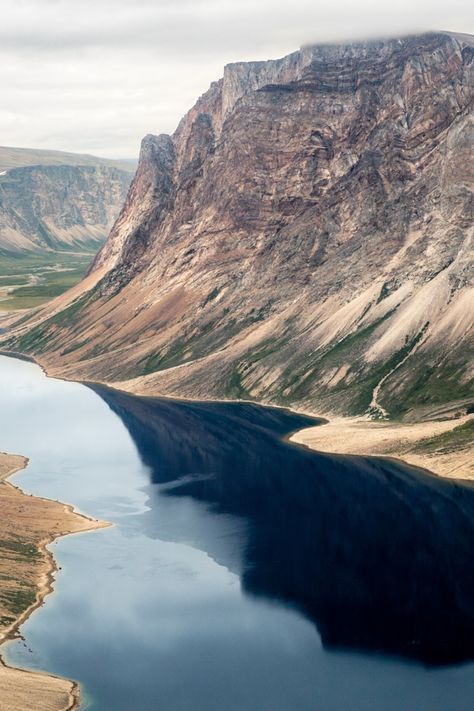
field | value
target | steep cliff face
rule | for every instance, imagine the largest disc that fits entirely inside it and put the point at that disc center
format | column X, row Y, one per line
column 56, row 204
column 305, row 236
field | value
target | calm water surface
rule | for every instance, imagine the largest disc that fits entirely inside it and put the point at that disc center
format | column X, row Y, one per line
column 242, row 573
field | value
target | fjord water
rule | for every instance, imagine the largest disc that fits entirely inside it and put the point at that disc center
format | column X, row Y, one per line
column 242, row 572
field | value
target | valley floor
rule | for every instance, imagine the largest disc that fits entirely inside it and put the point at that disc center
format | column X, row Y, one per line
column 30, row 280
column 27, row 525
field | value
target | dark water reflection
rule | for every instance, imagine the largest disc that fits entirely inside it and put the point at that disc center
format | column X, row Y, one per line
column 379, row 556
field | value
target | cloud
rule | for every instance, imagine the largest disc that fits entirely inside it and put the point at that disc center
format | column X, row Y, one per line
column 99, row 74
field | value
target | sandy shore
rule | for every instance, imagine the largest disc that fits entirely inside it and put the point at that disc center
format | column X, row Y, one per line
column 27, row 525
column 437, row 446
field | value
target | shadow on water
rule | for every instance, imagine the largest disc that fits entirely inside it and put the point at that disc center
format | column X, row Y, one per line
column 378, row 555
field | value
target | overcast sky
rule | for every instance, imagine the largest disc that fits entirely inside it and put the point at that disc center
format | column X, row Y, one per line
column 97, row 75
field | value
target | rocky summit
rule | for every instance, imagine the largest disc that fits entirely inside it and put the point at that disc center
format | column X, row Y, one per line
column 304, row 237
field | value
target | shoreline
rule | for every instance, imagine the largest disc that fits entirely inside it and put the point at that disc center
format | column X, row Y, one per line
column 401, row 442
column 48, row 691
column 355, row 436
column 340, row 435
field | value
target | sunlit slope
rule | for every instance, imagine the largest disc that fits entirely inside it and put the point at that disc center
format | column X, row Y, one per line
column 304, row 237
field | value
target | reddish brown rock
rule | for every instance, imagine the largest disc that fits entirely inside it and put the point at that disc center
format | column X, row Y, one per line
column 305, row 236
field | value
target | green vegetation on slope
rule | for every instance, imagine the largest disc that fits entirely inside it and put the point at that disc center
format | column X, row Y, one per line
column 420, row 385
column 460, row 437
column 37, row 338
column 303, row 383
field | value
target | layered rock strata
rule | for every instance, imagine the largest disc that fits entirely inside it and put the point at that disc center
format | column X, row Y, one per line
column 304, row 237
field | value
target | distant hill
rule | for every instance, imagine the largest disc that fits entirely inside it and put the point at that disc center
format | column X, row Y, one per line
column 11, row 157
column 51, row 200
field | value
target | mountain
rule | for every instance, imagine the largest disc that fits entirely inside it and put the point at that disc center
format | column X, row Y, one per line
column 51, row 200
column 304, row 237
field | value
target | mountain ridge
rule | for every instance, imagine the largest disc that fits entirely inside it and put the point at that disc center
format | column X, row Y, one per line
column 16, row 157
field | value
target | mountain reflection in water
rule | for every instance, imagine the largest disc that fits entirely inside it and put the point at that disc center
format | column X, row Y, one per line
column 377, row 554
